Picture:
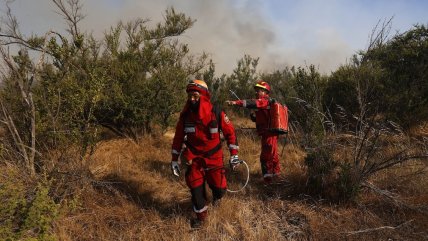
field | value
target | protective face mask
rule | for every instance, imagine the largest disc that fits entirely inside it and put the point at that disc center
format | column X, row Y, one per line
column 194, row 106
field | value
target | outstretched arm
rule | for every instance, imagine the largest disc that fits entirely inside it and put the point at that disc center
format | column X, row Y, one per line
column 250, row 103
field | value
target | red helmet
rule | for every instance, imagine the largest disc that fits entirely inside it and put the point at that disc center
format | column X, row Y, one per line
column 262, row 85
column 199, row 86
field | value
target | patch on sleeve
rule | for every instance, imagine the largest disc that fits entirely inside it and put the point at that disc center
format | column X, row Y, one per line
column 226, row 119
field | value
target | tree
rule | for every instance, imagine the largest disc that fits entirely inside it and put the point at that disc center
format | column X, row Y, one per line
column 244, row 76
column 21, row 128
column 281, row 84
column 80, row 83
column 147, row 76
column 403, row 60
column 363, row 141
column 309, row 85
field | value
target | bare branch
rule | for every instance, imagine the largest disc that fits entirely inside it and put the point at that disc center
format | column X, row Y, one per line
column 26, row 94
column 71, row 10
column 378, row 229
column 14, row 132
column 379, row 34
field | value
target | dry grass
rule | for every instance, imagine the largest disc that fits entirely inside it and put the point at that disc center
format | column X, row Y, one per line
column 135, row 197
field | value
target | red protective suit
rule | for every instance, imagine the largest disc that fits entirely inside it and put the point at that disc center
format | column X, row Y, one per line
column 203, row 147
column 269, row 159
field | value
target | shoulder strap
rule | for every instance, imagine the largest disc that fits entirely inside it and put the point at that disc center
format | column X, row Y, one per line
column 217, row 112
column 272, row 100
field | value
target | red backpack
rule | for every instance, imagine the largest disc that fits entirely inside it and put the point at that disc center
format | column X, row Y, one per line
column 278, row 118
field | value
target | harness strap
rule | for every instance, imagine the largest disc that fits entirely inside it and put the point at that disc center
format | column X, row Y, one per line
column 204, row 154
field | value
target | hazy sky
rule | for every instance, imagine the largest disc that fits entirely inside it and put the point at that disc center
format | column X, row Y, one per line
column 281, row 32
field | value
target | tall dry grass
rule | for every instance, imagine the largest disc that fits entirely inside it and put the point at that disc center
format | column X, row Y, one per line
column 133, row 196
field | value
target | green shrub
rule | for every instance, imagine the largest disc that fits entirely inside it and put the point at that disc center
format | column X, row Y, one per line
column 26, row 213
column 42, row 212
column 12, row 207
column 348, row 184
column 320, row 165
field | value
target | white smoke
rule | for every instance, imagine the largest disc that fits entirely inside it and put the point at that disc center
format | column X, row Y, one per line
column 297, row 33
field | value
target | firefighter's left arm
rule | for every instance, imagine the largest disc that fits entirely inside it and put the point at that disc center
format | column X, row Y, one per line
column 229, row 134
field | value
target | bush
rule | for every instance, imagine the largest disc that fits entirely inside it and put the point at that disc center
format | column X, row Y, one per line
column 320, row 165
column 27, row 211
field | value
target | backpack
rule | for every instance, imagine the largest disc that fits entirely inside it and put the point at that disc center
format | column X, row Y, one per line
column 278, row 122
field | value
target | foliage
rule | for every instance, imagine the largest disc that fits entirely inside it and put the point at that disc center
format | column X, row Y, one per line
column 147, row 76
column 63, row 86
column 18, row 104
column 216, row 85
column 341, row 90
column 281, row 82
column 320, row 165
column 12, row 206
column 403, row 60
column 67, row 93
column 80, row 84
column 386, row 82
column 240, row 82
column 244, row 77
column 308, row 86
column 26, row 213
column 348, row 183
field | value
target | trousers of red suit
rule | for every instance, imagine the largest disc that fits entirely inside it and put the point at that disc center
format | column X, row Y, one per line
column 214, row 175
column 269, row 159
column 199, row 172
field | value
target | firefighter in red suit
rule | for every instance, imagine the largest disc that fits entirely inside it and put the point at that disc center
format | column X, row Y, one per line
column 198, row 130
column 269, row 159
